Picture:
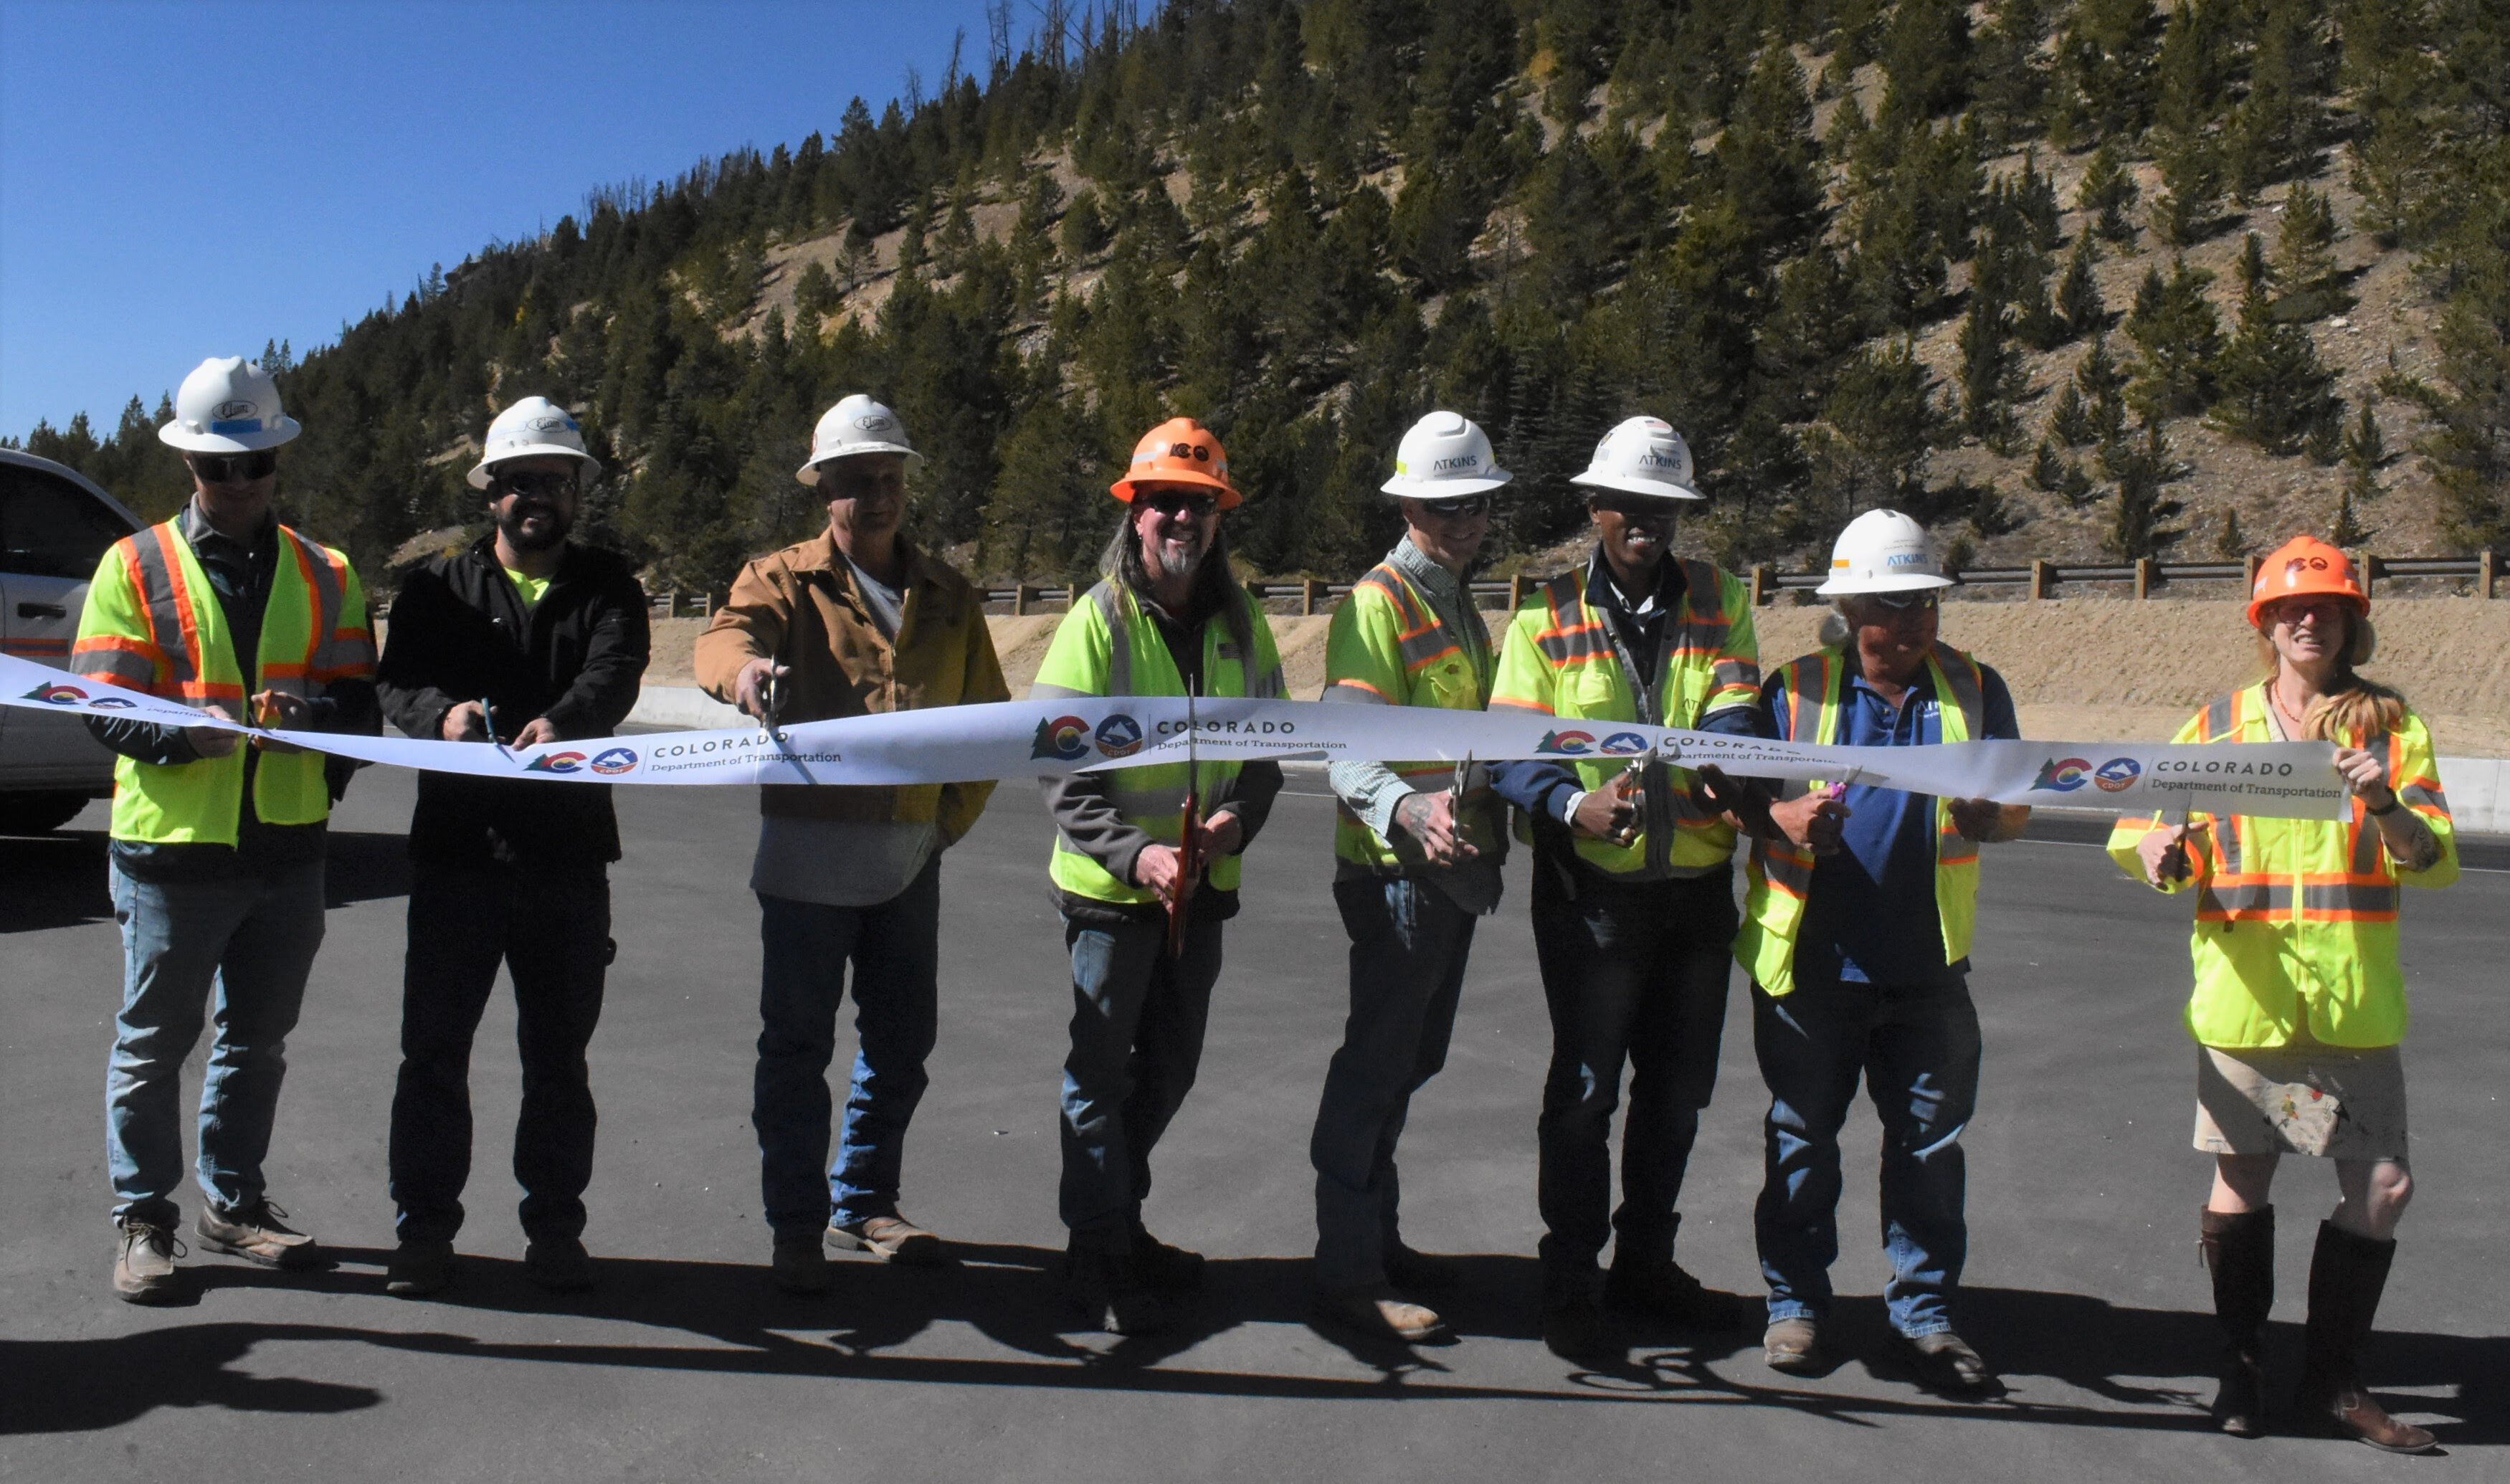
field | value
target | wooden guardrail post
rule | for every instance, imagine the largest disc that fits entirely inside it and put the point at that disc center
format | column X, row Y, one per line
column 1517, row 586
column 2249, row 572
column 2488, row 568
column 2143, row 576
column 1022, row 596
column 1312, row 592
column 2042, row 576
column 1760, row 584
column 2367, row 566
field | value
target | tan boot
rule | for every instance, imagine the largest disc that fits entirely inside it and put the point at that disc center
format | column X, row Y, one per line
column 1377, row 1311
column 257, row 1232
column 144, row 1263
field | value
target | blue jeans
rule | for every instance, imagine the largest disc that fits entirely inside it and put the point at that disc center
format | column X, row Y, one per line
column 1634, row 974
column 1408, row 949
column 1137, row 1024
column 895, row 949
column 1917, row 1050
column 249, row 941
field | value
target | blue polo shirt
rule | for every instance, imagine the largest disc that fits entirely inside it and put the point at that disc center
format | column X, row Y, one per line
column 1870, row 916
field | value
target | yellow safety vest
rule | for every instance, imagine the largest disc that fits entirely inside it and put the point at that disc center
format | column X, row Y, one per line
column 153, row 623
column 1559, row 658
column 2296, row 934
column 1108, row 646
column 1779, row 873
column 1388, row 648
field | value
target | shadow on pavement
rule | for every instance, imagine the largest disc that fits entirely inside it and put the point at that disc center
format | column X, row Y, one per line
column 2136, row 1359
column 58, row 880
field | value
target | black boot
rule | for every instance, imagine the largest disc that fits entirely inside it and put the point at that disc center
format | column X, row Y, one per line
column 2347, row 1273
column 2239, row 1251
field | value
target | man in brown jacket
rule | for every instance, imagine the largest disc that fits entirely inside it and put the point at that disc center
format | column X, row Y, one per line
column 852, row 620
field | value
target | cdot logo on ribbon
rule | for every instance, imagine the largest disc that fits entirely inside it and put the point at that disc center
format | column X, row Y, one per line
column 556, row 762
column 1567, row 743
column 1119, row 736
column 1625, row 744
column 2063, row 775
column 616, row 761
column 2117, row 774
column 57, row 694
column 1065, row 737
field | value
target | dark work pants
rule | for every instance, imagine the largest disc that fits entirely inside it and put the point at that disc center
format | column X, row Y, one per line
column 1137, row 1023
column 1634, row 974
column 551, row 928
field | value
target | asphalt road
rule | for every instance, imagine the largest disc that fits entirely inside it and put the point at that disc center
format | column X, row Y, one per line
column 2082, row 1288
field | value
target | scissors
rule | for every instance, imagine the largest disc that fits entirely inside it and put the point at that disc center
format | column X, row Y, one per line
column 488, row 718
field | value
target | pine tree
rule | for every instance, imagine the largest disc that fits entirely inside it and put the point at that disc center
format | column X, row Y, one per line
column 2366, row 449
column 1991, row 373
column 1878, row 423
column 2144, row 469
column 2176, row 328
column 2047, row 469
column 2185, row 211
column 2233, row 544
column 2347, row 530
column 2110, row 191
column 2304, row 264
column 2272, row 387
column 2079, row 295
column 2070, row 423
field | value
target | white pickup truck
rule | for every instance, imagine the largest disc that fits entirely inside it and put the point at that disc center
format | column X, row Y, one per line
column 54, row 526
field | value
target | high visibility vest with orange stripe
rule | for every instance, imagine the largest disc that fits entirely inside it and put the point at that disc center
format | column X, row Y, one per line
column 1779, row 872
column 1559, row 657
column 1388, row 648
column 2295, row 934
column 153, row 624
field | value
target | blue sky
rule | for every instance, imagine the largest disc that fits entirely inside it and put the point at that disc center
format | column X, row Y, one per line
column 187, row 179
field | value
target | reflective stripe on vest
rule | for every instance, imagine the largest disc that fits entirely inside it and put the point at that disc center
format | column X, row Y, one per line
column 1779, row 874
column 1152, row 798
column 1440, row 668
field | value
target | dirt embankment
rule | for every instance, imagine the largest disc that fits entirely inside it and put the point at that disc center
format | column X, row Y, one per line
column 2085, row 669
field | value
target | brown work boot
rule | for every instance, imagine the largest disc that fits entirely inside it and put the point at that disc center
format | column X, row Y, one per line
column 800, row 1267
column 2239, row 1251
column 1792, row 1346
column 2347, row 1275
column 255, row 1231
column 1379, row 1312
column 1104, row 1289
column 1945, row 1362
column 144, row 1262
column 892, row 1239
column 417, row 1270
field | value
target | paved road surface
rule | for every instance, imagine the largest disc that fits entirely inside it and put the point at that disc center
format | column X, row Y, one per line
column 2083, row 1287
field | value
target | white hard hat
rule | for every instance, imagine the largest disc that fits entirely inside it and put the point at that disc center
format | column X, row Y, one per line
column 1882, row 551
column 1443, row 456
column 228, row 404
column 1642, row 456
column 531, row 428
column 855, row 425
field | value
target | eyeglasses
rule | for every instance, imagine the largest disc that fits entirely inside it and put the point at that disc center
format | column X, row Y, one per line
column 223, row 468
column 1631, row 505
column 1462, row 507
column 540, row 483
column 1905, row 602
column 1177, row 502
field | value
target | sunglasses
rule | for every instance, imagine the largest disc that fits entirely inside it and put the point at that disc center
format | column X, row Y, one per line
column 1462, row 507
column 222, row 468
column 1631, row 505
column 1176, row 502
column 540, row 483
column 1904, row 602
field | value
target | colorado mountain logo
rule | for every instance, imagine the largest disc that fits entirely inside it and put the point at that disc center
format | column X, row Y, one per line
column 1119, row 736
column 1065, row 737
column 556, row 762
column 1568, row 744
column 2063, row 775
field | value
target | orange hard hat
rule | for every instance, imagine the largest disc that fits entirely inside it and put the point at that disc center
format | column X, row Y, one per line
column 2301, row 566
column 1178, row 451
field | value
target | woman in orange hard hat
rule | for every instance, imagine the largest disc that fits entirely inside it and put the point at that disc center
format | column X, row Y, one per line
column 2299, row 1004
column 1169, row 620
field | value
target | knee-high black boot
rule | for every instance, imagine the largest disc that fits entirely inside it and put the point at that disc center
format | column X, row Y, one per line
column 2239, row 1251
column 2347, row 1273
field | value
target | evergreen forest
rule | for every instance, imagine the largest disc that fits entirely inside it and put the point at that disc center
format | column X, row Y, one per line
column 2067, row 278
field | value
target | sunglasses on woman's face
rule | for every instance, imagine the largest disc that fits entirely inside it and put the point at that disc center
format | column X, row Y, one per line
column 539, row 483
column 1904, row 602
column 1462, row 507
column 1176, row 502
column 223, row 468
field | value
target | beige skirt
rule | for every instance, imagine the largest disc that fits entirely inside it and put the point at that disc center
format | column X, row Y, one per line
column 2340, row 1102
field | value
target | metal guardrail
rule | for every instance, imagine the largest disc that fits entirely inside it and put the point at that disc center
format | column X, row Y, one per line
column 2040, row 579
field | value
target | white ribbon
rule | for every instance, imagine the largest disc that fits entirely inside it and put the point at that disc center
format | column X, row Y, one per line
column 1080, row 733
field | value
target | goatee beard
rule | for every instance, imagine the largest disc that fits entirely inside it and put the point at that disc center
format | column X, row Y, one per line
column 522, row 540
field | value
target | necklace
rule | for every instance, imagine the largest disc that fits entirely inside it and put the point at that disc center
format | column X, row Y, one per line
column 2293, row 719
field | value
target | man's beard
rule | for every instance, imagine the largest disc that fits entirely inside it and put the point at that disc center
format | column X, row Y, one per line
column 555, row 527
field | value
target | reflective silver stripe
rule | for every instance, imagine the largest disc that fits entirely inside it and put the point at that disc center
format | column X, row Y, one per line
column 2415, row 794
column 1119, row 637
column 1784, row 868
column 2227, row 837
column 2219, row 715
column 2367, row 899
column 164, row 608
column 1968, row 688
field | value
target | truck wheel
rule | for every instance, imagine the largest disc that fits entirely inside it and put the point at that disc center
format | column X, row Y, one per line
column 38, row 813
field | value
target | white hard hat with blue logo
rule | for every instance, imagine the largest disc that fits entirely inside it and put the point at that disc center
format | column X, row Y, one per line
column 1882, row 551
column 533, row 428
column 228, row 404
column 1443, row 456
column 856, row 425
column 1642, row 456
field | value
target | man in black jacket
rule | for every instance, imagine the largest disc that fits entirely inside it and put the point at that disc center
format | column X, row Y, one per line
column 525, row 637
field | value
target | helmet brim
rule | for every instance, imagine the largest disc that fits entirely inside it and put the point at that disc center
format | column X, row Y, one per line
column 1230, row 498
column 1631, row 484
column 1405, row 487
column 2258, row 606
column 484, row 471
column 1849, row 587
column 282, row 429
column 809, row 473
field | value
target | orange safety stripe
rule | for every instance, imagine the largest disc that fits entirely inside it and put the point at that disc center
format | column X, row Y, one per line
column 193, row 684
